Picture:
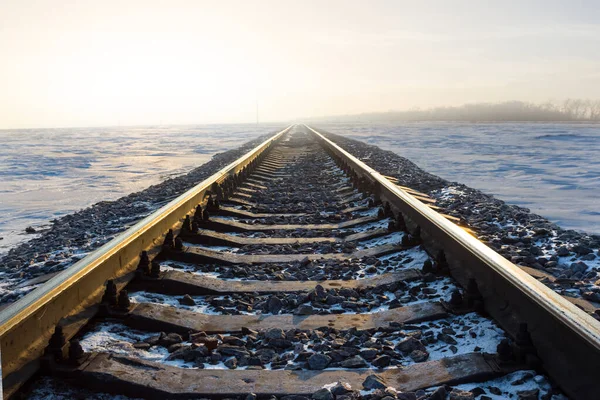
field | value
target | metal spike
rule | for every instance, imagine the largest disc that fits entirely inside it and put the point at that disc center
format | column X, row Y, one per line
column 144, row 264
column 110, row 293
column 169, row 242
column 155, row 270
column 75, row 351
column 124, row 302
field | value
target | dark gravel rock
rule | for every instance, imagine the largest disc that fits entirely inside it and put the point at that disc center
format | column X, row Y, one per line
column 319, row 361
column 323, row 394
column 381, row 361
column 274, row 305
column 529, row 394
column 169, row 339
column 235, row 351
column 341, row 388
column 354, row 362
column 410, row 344
column 231, row 363
column 275, row 333
column 419, row 355
column 439, row 394
column 293, row 349
column 374, row 382
column 187, row 300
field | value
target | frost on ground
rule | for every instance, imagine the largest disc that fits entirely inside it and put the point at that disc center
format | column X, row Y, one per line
column 525, row 238
column 550, row 167
column 380, row 224
column 518, row 385
column 315, row 270
column 73, row 236
column 294, row 349
column 394, row 238
column 529, row 240
column 318, row 301
column 119, row 339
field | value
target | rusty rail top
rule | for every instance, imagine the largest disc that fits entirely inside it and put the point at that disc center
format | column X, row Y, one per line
column 36, row 305
column 570, row 315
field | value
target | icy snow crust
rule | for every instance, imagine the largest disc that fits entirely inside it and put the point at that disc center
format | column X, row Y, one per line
column 71, row 237
column 514, row 232
column 467, row 333
column 316, row 270
column 369, row 301
column 47, row 173
column 315, row 248
column 364, row 300
column 550, row 168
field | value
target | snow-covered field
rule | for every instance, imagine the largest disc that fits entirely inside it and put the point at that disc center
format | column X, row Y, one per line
column 47, row 173
column 553, row 169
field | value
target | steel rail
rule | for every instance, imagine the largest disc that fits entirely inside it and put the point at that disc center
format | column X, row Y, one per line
column 26, row 325
column 566, row 338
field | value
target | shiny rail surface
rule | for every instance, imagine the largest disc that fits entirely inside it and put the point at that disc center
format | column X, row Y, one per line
column 567, row 339
column 26, row 325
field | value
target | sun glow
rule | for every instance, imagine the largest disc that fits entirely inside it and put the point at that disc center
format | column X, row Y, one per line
column 145, row 62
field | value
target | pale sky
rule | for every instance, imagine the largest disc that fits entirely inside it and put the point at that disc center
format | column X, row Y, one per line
column 105, row 62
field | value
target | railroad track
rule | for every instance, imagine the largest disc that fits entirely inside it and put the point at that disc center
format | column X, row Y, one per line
column 296, row 270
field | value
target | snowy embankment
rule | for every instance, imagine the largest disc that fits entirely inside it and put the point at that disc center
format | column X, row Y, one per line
column 572, row 258
column 72, row 237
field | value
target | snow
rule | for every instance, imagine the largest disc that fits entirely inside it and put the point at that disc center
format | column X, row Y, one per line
column 371, row 212
column 392, row 238
column 489, row 336
column 369, row 226
column 179, row 266
column 8, row 286
column 450, row 192
column 409, row 258
column 225, row 249
column 47, row 173
column 548, row 167
column 119, row 339
column 171, row 301
column 508, row 387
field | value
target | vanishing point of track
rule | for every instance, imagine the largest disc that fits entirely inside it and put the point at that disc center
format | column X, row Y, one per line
column 306, row 231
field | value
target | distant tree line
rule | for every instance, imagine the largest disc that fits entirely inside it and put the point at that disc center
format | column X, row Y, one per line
column 568, row 110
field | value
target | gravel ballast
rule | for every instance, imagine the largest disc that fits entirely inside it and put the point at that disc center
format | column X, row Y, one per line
column 390, row 346
column 525, row 238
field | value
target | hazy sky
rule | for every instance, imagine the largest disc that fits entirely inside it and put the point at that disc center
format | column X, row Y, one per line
column 88, row 63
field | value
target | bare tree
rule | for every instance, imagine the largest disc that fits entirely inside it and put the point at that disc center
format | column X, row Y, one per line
column 569, row 109
column 595, row 110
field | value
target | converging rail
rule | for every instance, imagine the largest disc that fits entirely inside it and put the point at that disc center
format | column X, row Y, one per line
column 27, row 325
column 296, row 269
column 566, row 338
